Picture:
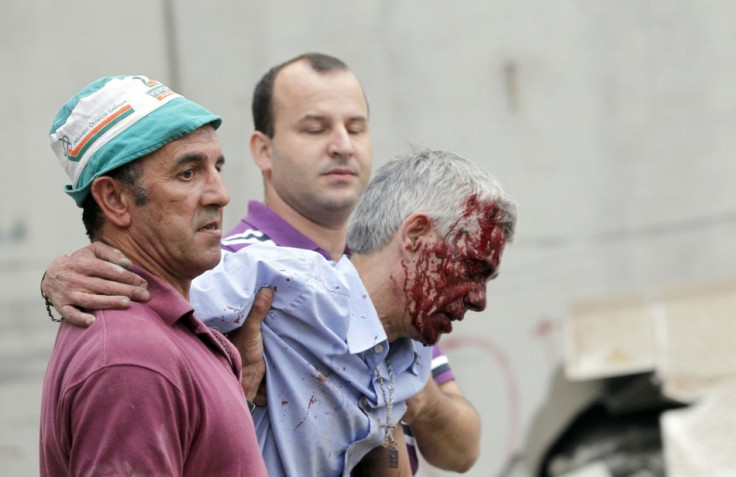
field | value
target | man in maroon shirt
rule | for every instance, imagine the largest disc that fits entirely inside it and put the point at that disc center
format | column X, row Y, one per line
column 149, row 390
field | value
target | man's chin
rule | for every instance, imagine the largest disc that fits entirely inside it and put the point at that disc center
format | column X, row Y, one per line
column 339, row 204
column 427, row 342
column 433, row 338
column 210, row 258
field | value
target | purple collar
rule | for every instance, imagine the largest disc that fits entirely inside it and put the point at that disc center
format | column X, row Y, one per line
column 281, row 232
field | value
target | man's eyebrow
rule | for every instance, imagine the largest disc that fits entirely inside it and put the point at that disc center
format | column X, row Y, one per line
column 312, row 117
column 196, row 157
column 485, row 268
column 323, row 117
column 191, row 157
column 489, row 270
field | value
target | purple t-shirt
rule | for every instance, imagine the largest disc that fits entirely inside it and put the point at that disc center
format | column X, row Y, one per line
column 146, row 391
column 262, row 224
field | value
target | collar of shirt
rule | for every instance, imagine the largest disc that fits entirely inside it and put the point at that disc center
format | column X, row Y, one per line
column 278, row 230
column 171, row 306
column 365, row 329
column 364, row 333
column 167, row 302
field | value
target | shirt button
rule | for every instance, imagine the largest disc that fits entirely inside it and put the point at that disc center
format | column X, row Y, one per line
column 378, row 348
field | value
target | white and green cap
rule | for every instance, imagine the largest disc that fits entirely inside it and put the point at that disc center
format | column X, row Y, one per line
column 116, row 120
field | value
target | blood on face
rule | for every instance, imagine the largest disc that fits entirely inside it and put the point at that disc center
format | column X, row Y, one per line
column 449, row 274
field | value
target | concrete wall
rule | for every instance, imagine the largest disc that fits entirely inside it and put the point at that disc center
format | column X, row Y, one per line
column 610, row 122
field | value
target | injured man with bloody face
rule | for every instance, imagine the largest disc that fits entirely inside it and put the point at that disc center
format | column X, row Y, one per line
column 345, row 342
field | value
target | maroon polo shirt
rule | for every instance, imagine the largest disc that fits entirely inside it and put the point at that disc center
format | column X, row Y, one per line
column 146, row 391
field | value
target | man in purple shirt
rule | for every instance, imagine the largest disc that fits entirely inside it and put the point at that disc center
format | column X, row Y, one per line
column 149, row 390
column 313, row 146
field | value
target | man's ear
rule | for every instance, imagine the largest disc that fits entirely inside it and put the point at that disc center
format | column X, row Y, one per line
column 414, row 229
column 260, row 150
column 114, row 200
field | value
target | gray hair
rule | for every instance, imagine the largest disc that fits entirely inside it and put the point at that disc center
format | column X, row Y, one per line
column 438, row 183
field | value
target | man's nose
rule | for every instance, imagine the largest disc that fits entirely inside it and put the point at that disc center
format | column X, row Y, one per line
column 341, row 143
column 475, row 300
column 217, row 193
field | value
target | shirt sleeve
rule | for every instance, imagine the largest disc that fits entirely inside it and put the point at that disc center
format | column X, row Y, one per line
column 222, row 297
column 127, row 420
column 441, row 371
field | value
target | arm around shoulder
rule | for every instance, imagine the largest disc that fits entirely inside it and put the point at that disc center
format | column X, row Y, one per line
column 95, row 277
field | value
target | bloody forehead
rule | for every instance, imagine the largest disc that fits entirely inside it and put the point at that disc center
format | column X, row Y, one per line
column 478, row 225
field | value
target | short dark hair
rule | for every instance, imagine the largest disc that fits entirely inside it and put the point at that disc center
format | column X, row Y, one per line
column 262, row 106
column 130, row 174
